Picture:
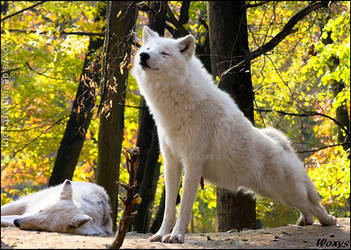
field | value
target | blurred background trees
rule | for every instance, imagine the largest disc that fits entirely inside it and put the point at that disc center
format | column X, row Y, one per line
column 301, row 86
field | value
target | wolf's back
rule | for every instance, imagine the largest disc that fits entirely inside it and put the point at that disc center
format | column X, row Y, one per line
column 279, row 137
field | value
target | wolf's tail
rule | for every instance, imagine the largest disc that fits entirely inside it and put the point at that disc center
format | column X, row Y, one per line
column 279, row 137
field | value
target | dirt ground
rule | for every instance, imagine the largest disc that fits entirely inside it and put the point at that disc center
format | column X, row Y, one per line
column 290, row 236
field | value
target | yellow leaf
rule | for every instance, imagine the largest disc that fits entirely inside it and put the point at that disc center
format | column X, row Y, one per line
column 137, row 199
column 119, row 14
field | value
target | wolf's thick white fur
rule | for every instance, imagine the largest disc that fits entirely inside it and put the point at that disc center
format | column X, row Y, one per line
column 202, row 131
column 72, row 207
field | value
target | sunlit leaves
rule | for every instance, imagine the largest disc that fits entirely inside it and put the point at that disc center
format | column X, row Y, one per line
column 296, row 76
column 300, row 76
column 329, row 169
column 47, row 65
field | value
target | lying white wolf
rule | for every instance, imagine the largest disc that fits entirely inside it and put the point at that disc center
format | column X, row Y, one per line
column 202, row 130
column 71, row 207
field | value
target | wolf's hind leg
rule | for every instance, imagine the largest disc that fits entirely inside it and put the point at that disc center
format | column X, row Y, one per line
column 305, row 219
column 309, row 205
column 324, row 218
column 305, row 197
column 312, row 201
column 317, row 210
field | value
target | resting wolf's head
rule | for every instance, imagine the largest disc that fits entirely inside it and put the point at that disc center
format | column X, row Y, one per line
column 61, row 216
column 163, row 56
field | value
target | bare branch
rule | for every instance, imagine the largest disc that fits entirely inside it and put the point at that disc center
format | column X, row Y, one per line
column 173, row 20
column 287, row 30
column 307, row 114
column 39, row 73
column 134, row 107
column 77, row 33
column 142, row 6
column 9, row 71
column 285, row 83
column 33, row 140
column 324, row 147
column 184, row 12
column 256, row 4
column 20, row 11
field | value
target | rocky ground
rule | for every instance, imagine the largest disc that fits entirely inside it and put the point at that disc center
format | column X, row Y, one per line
column 291, row 236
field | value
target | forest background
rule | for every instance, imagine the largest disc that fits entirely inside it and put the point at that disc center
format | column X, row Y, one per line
column 301, row 86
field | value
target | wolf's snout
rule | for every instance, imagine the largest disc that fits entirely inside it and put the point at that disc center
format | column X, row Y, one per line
column 16, row 222
column 144, row 56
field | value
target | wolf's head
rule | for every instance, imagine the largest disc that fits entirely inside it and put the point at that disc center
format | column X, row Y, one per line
column 61, row 216
column 163, row 56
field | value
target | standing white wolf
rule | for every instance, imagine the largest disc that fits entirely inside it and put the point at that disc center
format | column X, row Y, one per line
column 72, row 207
column 202, row 131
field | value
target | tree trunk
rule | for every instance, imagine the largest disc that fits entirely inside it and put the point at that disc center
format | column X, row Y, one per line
column 121, row 18
column 156, row 224
column 81, row 114
column 229, row 43
column 148, row 169
column 342, row 115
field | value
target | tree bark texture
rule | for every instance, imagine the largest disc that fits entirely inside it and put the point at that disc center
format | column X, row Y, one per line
column 229, row 44
column 121, row 18
column 81, row 114
column 342, row 116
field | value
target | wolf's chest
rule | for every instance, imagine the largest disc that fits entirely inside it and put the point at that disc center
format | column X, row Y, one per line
column 178, row 139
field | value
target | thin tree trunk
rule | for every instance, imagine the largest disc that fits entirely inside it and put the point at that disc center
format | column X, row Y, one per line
column 159, row 214
column 121, row 18
column 342, row 115
column 148, row 169
column 228, row 43
column 81, row 114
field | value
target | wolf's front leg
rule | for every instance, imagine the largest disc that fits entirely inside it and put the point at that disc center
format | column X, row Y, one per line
column 192, row 176
column 173, row 171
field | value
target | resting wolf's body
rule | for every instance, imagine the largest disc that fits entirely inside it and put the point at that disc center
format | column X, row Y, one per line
column 71, row 207
column 202, row 130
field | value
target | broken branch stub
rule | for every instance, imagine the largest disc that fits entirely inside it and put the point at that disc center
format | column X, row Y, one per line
column 130, row 199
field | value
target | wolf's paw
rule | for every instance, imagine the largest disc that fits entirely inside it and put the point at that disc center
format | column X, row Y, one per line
column 330, row 221
column 155, row 237
column 305, row 220
column 173, row 238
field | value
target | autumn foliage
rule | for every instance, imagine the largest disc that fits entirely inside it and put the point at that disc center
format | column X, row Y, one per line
column 301, row 87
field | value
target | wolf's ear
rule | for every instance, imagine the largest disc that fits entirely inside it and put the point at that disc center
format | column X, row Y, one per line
column 186, row 45
column 79, row 220
column 148, row 33
column 66, row 193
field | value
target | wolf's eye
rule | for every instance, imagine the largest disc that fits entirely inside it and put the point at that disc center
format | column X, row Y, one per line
column 164, row 53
